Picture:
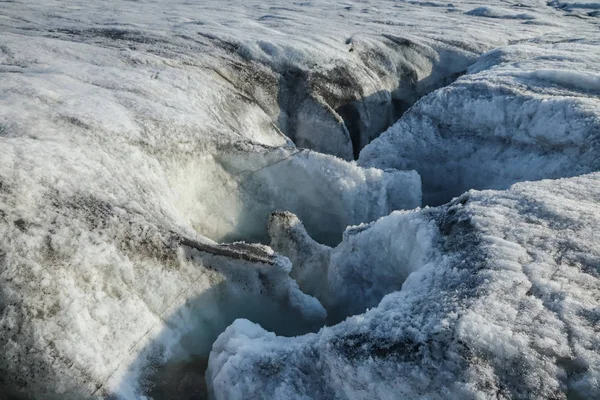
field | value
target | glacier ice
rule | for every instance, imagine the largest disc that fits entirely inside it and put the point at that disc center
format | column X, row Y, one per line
column 248, row 183
column 533, row 114
column 505, row 306
column 150, row 154
column 342, row 279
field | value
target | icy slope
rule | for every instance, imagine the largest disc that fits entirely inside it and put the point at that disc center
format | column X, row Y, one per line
column 135, row 136
column 342, row 279
column 254, row 68
column 523, row 112
column 579, row 9
column 506, row 306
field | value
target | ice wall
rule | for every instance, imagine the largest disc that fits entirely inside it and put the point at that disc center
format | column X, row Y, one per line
column 133, row 133
column 509, row 310
column 523, row 112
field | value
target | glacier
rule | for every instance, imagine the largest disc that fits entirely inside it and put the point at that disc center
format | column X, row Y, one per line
column 533, row 115
column 299, row 200
column 501, row 303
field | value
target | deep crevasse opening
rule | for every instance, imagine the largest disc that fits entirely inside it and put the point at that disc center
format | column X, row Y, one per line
column 229, row 196
column 519, row 114
column 454, row 150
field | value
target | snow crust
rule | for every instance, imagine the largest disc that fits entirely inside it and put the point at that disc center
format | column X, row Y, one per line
column 579, row 9
column 523, row 112
column 136, row 137
column 508, row 310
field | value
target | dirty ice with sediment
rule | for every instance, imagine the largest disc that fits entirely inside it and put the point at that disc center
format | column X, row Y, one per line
column 316, row 199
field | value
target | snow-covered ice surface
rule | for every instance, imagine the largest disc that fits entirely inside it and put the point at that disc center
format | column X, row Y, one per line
column 579, row 9
column 525, row 111
column 137, row 136
column 341, row 278
column 504, row 306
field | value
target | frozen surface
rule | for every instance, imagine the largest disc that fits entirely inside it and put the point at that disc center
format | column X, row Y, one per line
column 347, row 280
column 507, row 307
column 247, row 184
column 137, row 136
column 523, row 112
column 579, row 9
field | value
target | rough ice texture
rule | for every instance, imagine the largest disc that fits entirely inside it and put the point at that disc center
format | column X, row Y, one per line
column 505, row 304
column 523, row 112
column 580, row 9
column 509, row 309
column 326, row 192
column 133, row 134
column 343, row 279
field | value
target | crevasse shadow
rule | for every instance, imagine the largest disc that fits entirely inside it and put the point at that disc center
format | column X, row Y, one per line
column 172, row 365
column 336, row 124
column 334, row 111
